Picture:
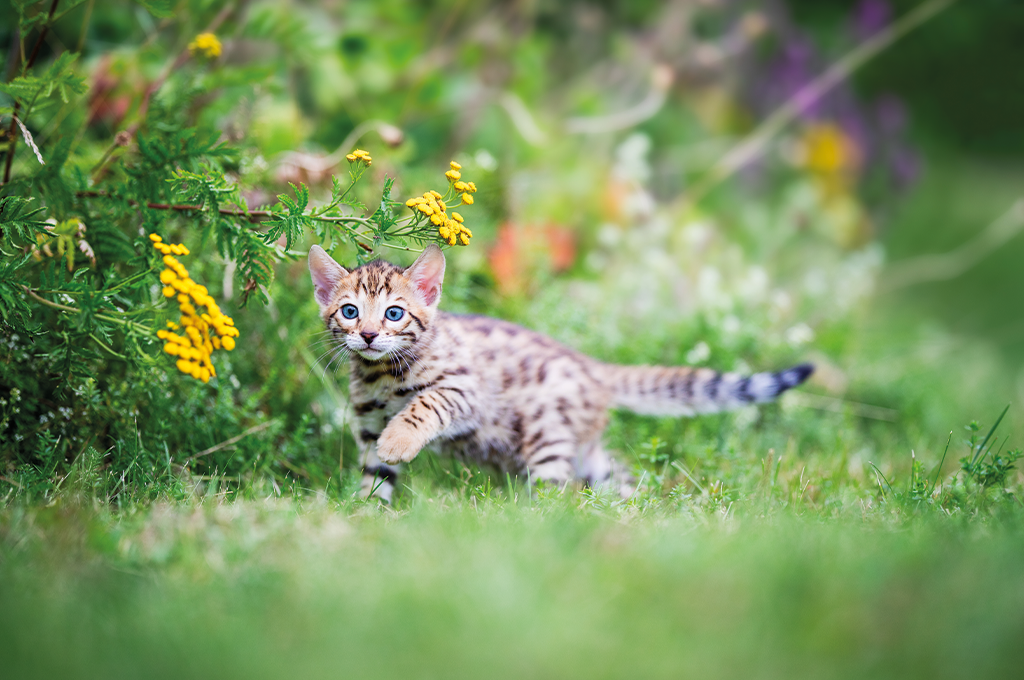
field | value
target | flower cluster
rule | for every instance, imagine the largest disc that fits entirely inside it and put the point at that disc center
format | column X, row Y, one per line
column 464, row 188
column 360, row 156
column 207, row 44
column 202, row 333
column 431, row 204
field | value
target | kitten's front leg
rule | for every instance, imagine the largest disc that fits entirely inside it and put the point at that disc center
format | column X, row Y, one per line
column 424, row 418
column 379, row 479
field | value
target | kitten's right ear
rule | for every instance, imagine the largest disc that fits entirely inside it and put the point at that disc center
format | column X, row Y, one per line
column 326, row 274
column 427, row 273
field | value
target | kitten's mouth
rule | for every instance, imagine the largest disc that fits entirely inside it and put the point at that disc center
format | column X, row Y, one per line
column 370, row 353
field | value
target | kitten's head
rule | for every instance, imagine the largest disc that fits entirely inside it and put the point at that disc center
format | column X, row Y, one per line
column 377, row 309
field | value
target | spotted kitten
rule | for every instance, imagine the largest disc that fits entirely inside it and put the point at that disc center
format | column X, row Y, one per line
column 489, row 391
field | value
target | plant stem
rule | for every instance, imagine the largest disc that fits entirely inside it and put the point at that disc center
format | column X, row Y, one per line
column 74, row 310
column 14, row 114
column 943, row 460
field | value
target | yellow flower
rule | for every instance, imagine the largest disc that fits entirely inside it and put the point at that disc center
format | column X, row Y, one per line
column 432, row 205
column 826, row 149
column 359, row 156
column 203, row 332
column 207, row 44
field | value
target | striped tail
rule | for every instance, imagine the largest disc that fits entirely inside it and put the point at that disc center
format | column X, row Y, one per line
column 686, row 391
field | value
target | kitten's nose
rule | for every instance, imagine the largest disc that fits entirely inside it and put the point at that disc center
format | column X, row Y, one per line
column 368, row 336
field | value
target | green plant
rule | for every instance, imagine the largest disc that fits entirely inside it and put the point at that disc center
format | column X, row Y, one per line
column 985, row 468
column 82, row 317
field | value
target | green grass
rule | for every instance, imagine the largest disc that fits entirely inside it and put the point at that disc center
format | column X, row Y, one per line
column 451, row 588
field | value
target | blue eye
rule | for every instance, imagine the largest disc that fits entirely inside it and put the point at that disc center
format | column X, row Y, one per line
column 349, row 311
column 394, row 313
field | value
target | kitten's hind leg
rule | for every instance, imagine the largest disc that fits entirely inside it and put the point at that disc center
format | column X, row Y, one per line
column 550, row 455
column 599, row 470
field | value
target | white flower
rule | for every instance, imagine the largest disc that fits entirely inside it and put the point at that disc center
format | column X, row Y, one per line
column 800, row 334
column 699, row 354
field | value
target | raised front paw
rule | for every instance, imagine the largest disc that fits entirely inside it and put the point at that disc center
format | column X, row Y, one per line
column 397, row 446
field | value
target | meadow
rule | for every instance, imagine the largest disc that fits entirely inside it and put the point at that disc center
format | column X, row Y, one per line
column 741, row 186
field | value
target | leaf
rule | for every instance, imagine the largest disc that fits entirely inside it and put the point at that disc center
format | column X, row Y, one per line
column 19, row 224
column 294, row 224
column 384, row 216
column 12, row 301
column 255, row 266
column 161, row 9
column 58, row 77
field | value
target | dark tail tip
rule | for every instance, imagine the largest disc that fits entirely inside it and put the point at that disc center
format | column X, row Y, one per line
column 792, row 377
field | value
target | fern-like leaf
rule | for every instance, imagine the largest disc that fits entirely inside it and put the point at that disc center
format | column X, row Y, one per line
column 255, row 266
column 19, row 223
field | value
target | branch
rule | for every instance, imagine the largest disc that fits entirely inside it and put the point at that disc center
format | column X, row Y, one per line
column 755, row 143
column 74, row 310
column 391, row 135
column 661, row 81
column 253, row 216
column 950, row 265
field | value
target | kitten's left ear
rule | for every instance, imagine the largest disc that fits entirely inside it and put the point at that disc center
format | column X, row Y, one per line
column 426, row 274
column 326, row 274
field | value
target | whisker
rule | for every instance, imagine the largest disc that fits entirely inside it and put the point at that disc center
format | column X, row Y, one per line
column 317, row 361
column 340, row 353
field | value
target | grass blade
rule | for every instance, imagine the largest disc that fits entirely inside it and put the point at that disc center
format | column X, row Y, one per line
column 938, row 471
column 981, row 447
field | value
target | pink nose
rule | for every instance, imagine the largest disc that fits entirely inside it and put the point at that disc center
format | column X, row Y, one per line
column 368, row 336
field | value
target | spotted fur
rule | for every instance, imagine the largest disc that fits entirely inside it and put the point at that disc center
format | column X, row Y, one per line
column 489, row 391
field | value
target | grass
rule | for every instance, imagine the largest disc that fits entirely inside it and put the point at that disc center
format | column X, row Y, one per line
column 552, row 588
column 778, row 542
column 807, row 560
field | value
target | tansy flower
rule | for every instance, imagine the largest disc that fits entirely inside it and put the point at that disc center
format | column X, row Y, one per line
column 826, row 149
column 203, row 333
column 431, row 205
column 207, row 44
column 360, row 156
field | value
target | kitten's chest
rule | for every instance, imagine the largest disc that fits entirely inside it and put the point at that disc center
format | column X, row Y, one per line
column 381, row 399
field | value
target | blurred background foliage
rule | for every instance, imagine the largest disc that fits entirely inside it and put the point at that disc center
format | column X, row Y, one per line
column 595, row 132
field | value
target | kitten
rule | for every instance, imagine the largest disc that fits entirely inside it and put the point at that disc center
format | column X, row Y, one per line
column 489, row 391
